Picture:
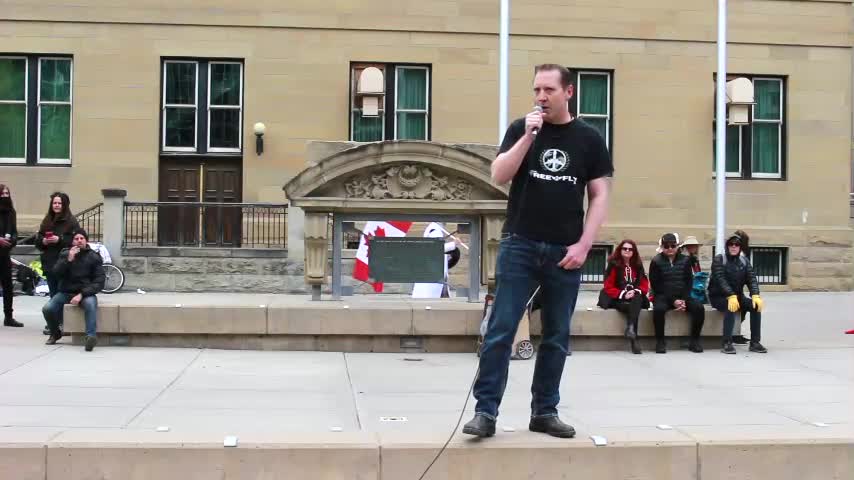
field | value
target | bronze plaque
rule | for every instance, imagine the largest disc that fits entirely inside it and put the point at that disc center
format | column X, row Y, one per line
column 406, row 259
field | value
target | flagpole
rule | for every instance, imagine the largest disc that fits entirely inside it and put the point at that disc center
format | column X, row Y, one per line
column 504, row 41
column 720, row 130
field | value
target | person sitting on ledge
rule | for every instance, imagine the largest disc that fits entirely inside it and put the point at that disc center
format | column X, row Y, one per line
column 626, row 288
column 731, row 272
column 671, row 277
column 80, row 271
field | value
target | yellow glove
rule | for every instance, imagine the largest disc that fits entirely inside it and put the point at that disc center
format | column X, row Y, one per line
column 757, row 303
column 732, row 303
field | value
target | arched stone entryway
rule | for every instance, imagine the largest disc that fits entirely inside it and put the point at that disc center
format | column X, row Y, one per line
column 407, row 178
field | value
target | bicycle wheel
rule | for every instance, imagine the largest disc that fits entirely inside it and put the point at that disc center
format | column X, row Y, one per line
column 114, row 278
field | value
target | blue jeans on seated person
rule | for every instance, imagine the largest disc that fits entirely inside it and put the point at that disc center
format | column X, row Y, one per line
column 53, row 312
column 745, row 305
column 523, row 264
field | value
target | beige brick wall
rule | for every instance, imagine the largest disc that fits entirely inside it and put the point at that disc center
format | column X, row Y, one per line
column 297, row 57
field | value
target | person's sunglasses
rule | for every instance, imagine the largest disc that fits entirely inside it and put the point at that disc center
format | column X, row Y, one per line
column 668, row 245
column 628, row 249
column 733, row 244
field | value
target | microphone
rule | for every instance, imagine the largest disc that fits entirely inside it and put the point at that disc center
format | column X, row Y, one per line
column 536, row 130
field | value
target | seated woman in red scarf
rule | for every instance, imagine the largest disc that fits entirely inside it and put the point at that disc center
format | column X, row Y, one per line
column 626, row 288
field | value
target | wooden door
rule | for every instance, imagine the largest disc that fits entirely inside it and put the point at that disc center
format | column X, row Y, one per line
column 222, row 224
column 200, row 180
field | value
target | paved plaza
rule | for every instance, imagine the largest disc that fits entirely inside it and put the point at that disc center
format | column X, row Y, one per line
column 806, row 380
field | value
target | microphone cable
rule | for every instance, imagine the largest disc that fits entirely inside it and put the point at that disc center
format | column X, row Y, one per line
column 457, row 426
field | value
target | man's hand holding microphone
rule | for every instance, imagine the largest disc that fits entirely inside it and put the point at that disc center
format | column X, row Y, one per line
column 534, row 121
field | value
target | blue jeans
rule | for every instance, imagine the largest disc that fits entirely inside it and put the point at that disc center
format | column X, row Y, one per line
column 53, row 312
column 522, row 265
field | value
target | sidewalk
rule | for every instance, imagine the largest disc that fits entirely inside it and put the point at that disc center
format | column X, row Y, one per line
column 807, row 377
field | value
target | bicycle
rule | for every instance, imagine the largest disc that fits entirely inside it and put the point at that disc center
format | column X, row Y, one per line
column 114, row 277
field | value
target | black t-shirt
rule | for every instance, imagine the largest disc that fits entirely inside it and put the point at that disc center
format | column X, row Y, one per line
column 547, row 193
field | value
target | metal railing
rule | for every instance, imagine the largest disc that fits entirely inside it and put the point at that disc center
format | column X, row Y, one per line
column 90, row 220
column 593, row 270
column 205, row 224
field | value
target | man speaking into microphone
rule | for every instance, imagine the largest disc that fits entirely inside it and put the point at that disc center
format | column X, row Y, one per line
column 551, row 158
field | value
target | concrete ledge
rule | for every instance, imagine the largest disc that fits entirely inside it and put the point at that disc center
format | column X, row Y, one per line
column 84, row 455
column 631, row 453
column 780, row 460
column 192, row 319
column 288, row 323
column 528, row 455
column 108, row 318
column 332, row 318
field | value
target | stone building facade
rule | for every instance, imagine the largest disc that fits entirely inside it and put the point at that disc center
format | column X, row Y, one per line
column 125, row 94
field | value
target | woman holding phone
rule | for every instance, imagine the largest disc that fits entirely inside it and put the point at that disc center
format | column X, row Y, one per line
column 54, row 235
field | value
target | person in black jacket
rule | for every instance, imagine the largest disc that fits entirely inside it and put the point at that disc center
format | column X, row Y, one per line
column 671, row 277
column 731, row 272
column 8, row 239
column 55, row 234
column 81, row 276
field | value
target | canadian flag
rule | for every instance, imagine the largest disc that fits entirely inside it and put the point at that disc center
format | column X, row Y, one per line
column 375, row 229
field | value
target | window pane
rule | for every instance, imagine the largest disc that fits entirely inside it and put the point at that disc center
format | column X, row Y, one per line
column 225, row 84
column 767, row 264
column 12, row 78
column 13, row 127
column 593, row 94
column 180, row 127
column 225, row 128
column 412, row 88
column 181, row 83
column 767, row 99
column 733, row 147
column 55, row 81
column 600, row 124
column 593, row 270
column 411, row 126
column 55, row 131
column 367, row 129
column 766, row 148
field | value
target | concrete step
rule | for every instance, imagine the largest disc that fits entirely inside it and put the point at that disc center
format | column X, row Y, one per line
column 653, row 455
column 357, row 324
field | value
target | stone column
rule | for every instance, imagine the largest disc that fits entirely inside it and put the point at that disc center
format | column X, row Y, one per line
column 316, row 228
column 296, row 233
column 113, row 222
column 492, row 225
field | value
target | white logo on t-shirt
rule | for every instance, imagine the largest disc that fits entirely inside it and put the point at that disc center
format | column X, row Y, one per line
column 554, row 160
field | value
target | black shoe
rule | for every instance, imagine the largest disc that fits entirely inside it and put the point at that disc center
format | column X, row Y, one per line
column 728, row 348
column 90, row 343
column 480, row 426
column 635, row 347
column 11, row 322
column 630, row 332
column 551, row 426
column 695, row 346
column 660, row 346
column 739, row 340
column 46, row 331
column 757, row 347
column 51, row 340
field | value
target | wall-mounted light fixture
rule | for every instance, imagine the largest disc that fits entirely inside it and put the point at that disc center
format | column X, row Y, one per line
column 260, row 128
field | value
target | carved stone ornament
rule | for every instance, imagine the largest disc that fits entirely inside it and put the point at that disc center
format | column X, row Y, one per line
column 408, row 181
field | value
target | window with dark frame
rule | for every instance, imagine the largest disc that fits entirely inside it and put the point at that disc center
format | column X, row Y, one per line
column 593, row 270
column 35, row 109
column 404, row 105
column 758, row 150
column 202, row 106
column 769, row 264
column 592, row 100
